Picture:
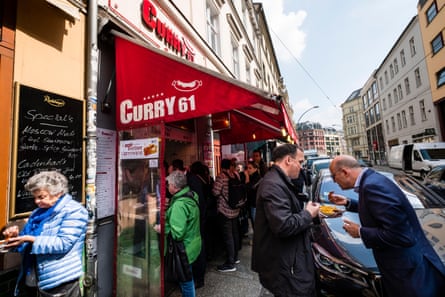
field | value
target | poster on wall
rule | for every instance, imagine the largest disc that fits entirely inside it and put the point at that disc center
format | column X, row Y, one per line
column 105, row 172
column 48, row 135
column 147, row 148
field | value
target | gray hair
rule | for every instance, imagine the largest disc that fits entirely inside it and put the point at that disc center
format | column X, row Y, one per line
column 52, row 181
column 178, row 179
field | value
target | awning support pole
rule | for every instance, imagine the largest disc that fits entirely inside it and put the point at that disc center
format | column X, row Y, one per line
column 91, row 160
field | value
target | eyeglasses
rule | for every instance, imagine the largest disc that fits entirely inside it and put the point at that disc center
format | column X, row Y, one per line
column 333, row 175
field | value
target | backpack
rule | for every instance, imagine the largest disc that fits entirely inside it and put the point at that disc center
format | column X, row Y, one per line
column 237, row 192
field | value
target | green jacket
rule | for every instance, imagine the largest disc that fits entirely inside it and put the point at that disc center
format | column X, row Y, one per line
column 182, row 220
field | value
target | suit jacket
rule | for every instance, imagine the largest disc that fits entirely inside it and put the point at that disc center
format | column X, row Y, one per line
column 408, row 263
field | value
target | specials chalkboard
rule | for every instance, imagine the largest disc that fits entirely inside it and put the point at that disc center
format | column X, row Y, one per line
column 48, row 135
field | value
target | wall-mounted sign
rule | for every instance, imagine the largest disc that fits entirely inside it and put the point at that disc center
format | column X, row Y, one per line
column 48, row 135
column 139, row 148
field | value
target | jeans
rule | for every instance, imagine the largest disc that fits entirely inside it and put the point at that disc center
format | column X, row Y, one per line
column 187, row 288
column 229, row 228
column 252, row 216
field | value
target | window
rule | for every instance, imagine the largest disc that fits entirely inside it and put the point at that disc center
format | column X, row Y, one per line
column 437, row 43
column 393, row 124
column 399, row 121
column 422, row 110
column 396, row 96
column 407, row 87
column 404, row 122
column 391, row 70
column 235, row 58
column 411, row 115
column 248, row 78
column 381, row 82
column 386, row 77
column 387, row 126
column 212, row 27
column 399, row 90
column 402, row 57
column 375, row 91
column 431, row 12
column 412, row 47
column 377, row 112
column 440, row 77
column 418, row 79
column 384, row 103
column 396, row 66
column 365, row 101
column 389, row 100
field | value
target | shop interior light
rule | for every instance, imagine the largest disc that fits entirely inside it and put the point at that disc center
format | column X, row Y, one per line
column 283, row 132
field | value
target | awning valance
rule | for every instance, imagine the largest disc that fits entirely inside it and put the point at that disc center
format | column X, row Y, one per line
column 152, row 87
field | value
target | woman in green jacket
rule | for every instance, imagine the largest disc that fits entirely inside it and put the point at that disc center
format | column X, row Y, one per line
column 182, row 221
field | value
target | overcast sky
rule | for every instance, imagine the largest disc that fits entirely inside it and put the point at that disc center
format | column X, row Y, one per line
column 327, row 49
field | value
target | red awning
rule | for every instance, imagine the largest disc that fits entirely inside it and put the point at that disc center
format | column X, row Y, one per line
column 153, row 87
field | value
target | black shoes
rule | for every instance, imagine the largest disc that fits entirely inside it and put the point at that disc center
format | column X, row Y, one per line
column 226, row 268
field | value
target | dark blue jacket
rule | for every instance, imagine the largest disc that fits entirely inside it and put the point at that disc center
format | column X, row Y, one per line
column 408, row 263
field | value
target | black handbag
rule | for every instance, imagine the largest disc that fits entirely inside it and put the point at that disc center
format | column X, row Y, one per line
column 176, row 264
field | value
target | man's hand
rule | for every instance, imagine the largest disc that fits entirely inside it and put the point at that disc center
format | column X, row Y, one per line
column 313, row 208
column 337, row 199
column 352, row 228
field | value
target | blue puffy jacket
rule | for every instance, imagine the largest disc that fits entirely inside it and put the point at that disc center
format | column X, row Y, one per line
column 58, row 248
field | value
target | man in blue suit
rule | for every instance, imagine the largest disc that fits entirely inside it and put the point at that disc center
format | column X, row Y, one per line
column 389, row 226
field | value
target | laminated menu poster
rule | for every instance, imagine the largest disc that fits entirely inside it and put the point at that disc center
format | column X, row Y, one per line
column 48, row 135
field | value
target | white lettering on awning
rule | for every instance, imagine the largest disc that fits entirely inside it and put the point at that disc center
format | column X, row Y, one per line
column 129, row 112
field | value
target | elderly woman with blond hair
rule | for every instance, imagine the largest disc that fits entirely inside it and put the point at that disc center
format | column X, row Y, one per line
column 52, row 240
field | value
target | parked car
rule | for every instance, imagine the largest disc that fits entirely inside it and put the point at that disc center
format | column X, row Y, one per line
column 317, row 165
column 345, row 267
column 435, row 180
column 364, row 163
column 310, row 160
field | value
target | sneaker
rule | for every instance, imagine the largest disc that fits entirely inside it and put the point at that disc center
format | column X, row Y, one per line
column 226, row 268
column 237, row 261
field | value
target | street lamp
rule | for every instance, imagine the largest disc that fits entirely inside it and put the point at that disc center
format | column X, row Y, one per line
column 305, row 112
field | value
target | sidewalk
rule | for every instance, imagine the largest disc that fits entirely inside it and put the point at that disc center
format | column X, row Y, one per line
column 241, row 283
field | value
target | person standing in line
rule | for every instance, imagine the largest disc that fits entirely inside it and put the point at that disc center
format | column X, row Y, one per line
column 227, row 216
column 389, row 226
column 52, row 240
column 281, row 252
column 198, row 185
column 182, row 222
column 253, row 178
column 262, row 167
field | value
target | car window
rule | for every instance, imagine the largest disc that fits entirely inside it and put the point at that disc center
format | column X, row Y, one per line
column 329, row 185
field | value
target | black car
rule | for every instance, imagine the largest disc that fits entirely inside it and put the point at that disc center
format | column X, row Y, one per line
column 345, row 267
column 435, row 180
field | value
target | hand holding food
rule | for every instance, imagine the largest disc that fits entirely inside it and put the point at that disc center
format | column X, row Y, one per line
column 337, row 199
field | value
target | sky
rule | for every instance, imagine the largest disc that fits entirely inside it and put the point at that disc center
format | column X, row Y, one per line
column 327, row 49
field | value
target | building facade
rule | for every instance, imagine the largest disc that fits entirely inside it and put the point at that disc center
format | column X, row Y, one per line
column 408, row 113
column 431, row 15
column 354, row 126
column 227, row 88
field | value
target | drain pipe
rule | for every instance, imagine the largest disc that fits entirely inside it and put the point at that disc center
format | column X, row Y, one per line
column 90, row 278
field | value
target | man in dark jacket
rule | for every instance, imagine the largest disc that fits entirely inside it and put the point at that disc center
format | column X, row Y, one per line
column 281, row 252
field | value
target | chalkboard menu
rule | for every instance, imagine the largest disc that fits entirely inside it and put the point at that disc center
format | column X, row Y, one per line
column 48, row 135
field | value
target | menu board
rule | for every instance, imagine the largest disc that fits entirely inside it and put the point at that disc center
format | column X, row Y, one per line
column 48, row 135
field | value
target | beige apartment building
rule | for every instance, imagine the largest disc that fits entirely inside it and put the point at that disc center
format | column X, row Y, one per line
column 431, row 15
column 354, row 126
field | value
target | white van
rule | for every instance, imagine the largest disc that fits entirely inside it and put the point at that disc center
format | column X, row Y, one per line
column 417, row 158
